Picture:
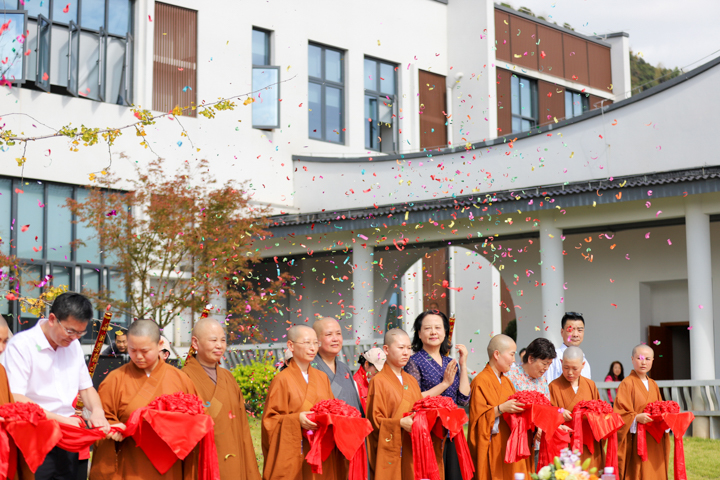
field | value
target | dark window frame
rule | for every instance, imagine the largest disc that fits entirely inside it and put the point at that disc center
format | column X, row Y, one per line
column 584, row 100
column 23, row 78
column 103, row 38
column 268, row 66
column 323, row 82
column 533, row 119
column 22, row 321
column 380, row 95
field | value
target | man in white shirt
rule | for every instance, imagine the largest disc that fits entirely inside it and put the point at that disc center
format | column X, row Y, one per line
column 572, row 331
column 45, row 365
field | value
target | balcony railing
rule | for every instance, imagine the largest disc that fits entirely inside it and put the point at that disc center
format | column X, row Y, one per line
column 247, row 354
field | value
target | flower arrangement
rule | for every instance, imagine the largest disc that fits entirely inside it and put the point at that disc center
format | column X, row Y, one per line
column 567, row 467
column 178, row 402
column 335, row 407
column 658, row 408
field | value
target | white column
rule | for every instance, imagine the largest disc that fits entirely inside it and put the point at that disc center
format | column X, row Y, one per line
column 552, row 274
column 412, row 286
column 363, row 293
column 699, row 266
column 496, row 299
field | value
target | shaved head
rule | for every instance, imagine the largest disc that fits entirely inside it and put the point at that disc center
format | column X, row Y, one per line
column 145, row 328
column 573, row 353
column 500, row 343
column 320, row 324
column 298, row 331
column 392, row 335
column 206, row 326
column 642, row 347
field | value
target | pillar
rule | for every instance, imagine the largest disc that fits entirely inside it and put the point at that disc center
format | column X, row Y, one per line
column 699, row 267
column 363, row 293
column 552, row 274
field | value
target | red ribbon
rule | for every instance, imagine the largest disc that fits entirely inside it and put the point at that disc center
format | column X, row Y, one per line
column 341, row 431
column 678, row 423
column 541, row 416
column 549, row 449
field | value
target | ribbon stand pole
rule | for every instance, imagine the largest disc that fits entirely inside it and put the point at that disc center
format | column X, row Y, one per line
column 205, row 313
column 95, row 356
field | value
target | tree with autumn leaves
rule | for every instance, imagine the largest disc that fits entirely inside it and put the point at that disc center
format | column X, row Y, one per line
column 181, row 241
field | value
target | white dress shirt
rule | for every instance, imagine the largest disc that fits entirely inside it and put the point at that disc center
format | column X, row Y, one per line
column 51, row 378
column 555, row 369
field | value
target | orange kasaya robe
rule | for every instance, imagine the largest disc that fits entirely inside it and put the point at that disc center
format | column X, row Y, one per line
column 562, row 395
column 236, row 455
column 283, row 444
column 632, row 398
column 487, row 450
column 122, row 392
column 389, row 446
column 23, row 472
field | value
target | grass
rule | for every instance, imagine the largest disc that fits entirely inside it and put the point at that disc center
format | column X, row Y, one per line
column 702, row 456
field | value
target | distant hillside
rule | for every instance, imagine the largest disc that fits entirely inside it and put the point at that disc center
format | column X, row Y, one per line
column 646, row 76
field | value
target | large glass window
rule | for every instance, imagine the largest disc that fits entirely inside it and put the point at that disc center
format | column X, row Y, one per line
column 380, row 97
column 265, row 78
column 524, row 104
column 37, row 228
column 82, row 48
column 326, row 86
column 576, row 104
column 13, row 46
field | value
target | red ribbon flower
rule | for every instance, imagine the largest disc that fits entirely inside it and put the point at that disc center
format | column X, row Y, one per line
column 538, row 413
column 665, row 415
column 437, row 415
column 594, row 420
column 341, row 426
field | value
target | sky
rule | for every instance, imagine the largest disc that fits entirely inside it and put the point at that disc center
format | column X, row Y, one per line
column 670, row 32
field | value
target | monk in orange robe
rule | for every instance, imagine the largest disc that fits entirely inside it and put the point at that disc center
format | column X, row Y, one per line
column 488, row 432
column 216, row 385
column 569, row 389
column 292, row 393
column 633, row 395
column 392, row 393
column 134, row 386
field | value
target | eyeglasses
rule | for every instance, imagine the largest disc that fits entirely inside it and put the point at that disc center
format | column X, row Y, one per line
column 71, row 332
column 306, row 344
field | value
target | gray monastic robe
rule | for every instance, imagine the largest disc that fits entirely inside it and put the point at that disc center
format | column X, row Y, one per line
column 341, row 382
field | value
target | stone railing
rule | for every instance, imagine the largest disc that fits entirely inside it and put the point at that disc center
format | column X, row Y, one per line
column 698, row 396
column 247, row 354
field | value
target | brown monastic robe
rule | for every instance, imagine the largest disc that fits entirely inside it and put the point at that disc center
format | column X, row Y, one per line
column 562, row 395
column 236, row 454
column 632, row 398
column 283, row 444
column 488, row 451
column 389, row 446
column 23, row 472
column 122, row 392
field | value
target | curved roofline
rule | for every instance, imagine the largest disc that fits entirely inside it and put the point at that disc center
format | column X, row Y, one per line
column 522, row 135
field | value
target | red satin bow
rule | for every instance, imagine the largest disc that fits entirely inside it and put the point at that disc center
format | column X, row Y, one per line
column 551, row 446
column 678, row 423
column 542, row 416
column 344, row 432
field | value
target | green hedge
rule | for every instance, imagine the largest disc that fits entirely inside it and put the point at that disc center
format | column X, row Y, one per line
column 254, row 381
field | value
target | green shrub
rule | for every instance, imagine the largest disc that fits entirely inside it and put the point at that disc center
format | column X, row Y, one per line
column 254, row 380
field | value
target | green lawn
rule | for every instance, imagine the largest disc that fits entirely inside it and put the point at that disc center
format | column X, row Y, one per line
column 702, row 456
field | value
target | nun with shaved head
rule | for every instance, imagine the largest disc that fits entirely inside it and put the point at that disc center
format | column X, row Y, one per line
column 128, row 388
column 292, row 393
column 218, row 389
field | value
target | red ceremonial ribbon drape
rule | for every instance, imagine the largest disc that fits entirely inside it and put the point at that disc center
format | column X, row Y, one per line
column 595, row 420
column 665, row 415
column 436, row 415
column 538, row 413
column 341, row 426
column 551, row 446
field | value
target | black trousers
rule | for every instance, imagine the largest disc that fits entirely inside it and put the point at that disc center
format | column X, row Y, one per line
column 451, row 461
column 58, row 465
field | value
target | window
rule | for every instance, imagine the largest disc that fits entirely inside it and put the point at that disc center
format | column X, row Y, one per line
column 265, row 78
column 380, row 97
column 43, row 246
column 12, row 46
column 576, row 104
column 175, row 61
column 524, row 103
column 325, row 93
column 82, row 48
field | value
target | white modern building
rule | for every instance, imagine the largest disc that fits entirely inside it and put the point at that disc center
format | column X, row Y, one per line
column 415, row 151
